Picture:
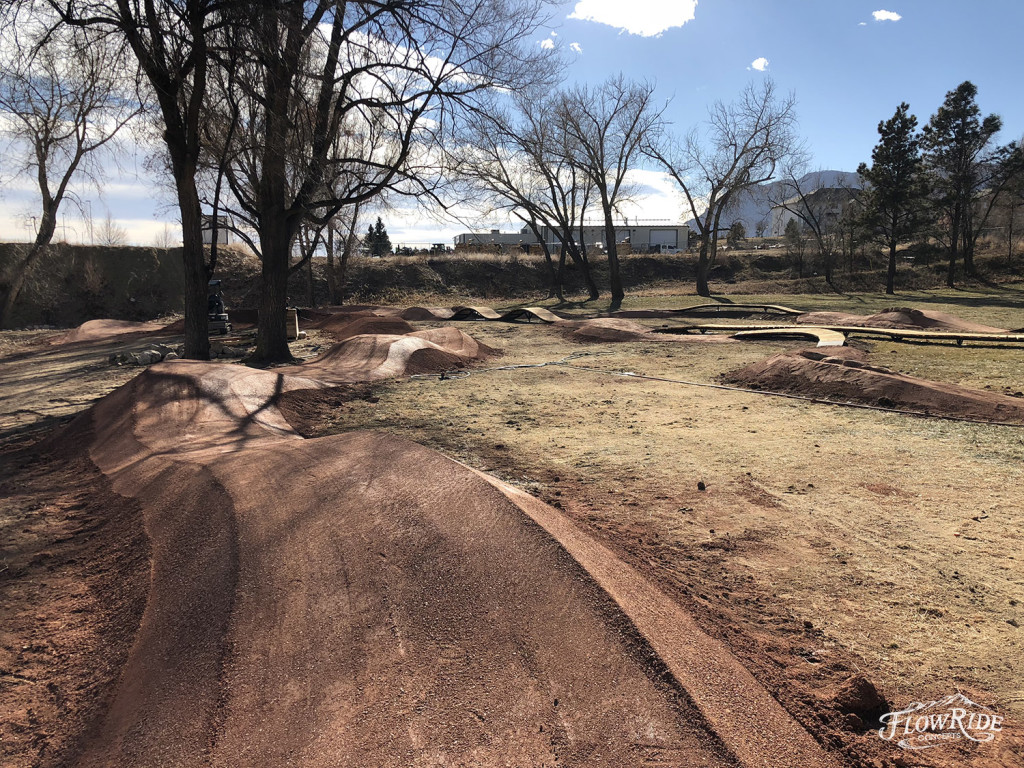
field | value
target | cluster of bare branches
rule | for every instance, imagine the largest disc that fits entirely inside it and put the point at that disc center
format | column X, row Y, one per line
column 66, row 94
column 550, row 160
column 291, row 115
column 742, row 145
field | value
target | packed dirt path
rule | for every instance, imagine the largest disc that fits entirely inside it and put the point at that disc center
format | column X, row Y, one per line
column 362, row 600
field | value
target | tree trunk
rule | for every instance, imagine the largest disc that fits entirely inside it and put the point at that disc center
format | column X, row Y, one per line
column 310, row 287
column 579, row 260
column 197, row 275
column 554, row 283
column 554, row 286
column 272, row 335
column 561, row 269
column 968, row 238
column 969, row 255
column 890, row 277
column 954, row 244
column 614, row 275
column 588, row 276
column 703, row 267
column 47, row 226
column 346, row 252
column 332, row 283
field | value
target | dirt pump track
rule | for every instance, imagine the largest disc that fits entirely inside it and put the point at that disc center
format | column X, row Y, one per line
column 359, row 599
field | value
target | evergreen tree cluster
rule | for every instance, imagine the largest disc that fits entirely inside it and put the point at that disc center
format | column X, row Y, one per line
column 377, row 242
column 943, row 181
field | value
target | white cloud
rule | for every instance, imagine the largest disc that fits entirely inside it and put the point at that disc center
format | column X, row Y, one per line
column 886, row 16
column 576, row 47
column 658, row 199
column 554, row 34
column 647, row 18
column 547, row 43
column 862, row 24
column 760, row 64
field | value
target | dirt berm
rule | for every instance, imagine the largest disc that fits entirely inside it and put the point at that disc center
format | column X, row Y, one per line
column 360, row 600
column 844, row 375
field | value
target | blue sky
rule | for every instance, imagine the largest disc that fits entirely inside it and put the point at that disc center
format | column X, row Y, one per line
column 847, row 69
column 849, row 63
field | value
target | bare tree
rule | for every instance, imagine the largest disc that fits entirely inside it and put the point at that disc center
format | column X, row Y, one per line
column 515, row 158
column 66, row 94
column 740, row 146
column 609, row 125
column 110, row 233
column 170, row 40
column 819, row 209
column 164, row 238
column 340, row 102
column 341, row 230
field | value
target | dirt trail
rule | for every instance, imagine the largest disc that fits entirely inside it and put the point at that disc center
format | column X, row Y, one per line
column 362, row 600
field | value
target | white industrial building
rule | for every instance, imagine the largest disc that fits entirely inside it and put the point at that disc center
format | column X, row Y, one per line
column 642, row 238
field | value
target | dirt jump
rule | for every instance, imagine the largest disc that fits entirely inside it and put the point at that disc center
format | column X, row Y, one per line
column 843, row 374
column 605, row 329
column 98, row 330
column 362, row 600
column 898, row 317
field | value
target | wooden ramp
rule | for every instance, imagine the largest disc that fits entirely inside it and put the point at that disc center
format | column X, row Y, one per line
column 824, row 337
column 720, row 310
column 474, row 313
column 529, row 314
column 912, row 334
column 770, row 330
column 724, row 309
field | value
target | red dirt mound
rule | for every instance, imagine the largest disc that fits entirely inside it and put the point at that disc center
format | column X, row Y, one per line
column 345, row 326
column 371, row 357
column 427, row 313
column 899, row 317
column 96, row 330
column 843, row 375
column 604, row 329
column 455, row 341
column 361, row 600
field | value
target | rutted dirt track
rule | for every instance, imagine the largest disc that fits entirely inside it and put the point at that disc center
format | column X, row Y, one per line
column 361, row 600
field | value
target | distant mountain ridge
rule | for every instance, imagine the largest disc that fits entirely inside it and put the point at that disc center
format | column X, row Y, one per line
column 755, row 204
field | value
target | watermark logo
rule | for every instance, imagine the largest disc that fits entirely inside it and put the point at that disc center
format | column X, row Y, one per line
column 926, row 724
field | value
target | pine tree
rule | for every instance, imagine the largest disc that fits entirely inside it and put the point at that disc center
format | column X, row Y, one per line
column 737, row 234
column 381, row 241
column 377, row 241
column 896, row 191
column 957, row 149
